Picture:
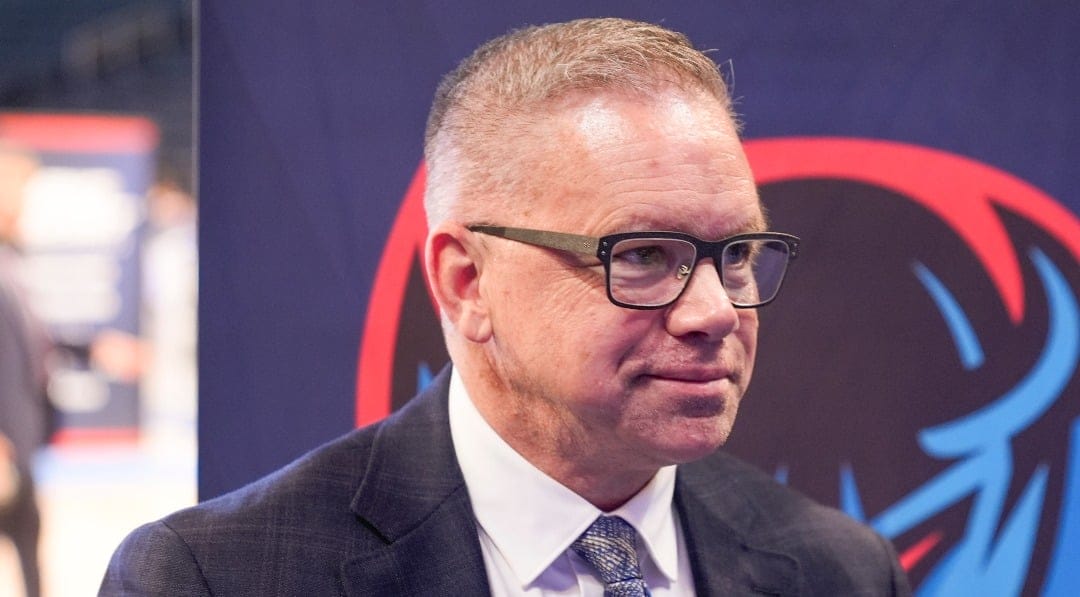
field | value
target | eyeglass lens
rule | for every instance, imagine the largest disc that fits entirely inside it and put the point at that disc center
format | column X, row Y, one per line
column 652, row 272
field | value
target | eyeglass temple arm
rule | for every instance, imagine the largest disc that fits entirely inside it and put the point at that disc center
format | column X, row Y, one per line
column 584, row 245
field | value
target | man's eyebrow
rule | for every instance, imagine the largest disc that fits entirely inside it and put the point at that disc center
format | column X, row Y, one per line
column 653, row 223
column 745, row 227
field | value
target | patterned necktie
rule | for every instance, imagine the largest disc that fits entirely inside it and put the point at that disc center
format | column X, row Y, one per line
column 609, row 546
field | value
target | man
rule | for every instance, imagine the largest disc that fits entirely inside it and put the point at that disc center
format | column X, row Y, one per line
column 23, row 407
column 597, row 249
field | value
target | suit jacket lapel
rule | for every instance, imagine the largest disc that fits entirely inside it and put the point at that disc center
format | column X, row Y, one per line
column 413, row 497
column 716, row 521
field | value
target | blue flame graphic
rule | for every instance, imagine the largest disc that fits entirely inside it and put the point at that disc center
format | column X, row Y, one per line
column 993, row 555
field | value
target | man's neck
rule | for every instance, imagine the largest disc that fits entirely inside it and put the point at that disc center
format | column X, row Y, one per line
column 559, row 448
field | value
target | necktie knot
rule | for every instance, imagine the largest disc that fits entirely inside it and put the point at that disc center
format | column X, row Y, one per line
column 609, row 547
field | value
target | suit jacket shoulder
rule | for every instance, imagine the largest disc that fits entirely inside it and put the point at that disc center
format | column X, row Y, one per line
column 271, row 537
column 783, row 542
column 372, row 512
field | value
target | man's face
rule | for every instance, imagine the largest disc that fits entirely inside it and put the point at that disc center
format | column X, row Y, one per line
column 601, row 385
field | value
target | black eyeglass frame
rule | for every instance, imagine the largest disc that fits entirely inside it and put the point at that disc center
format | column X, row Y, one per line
column 600, row 247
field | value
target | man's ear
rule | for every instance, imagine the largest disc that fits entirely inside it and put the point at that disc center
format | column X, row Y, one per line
column 454, row 267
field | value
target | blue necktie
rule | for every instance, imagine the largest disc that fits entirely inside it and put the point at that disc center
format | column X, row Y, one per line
column 608, row 545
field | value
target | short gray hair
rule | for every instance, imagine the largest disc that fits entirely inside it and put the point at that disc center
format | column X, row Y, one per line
column 495, row 94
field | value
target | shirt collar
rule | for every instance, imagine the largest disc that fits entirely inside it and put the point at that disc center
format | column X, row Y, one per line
column 512, row 499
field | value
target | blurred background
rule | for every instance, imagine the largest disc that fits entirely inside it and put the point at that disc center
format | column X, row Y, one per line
column 98, row 275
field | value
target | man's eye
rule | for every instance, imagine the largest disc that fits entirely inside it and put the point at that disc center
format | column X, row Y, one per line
column 643, row 256
column 738, row 254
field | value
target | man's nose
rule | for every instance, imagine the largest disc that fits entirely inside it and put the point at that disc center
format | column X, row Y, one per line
column 704, row 307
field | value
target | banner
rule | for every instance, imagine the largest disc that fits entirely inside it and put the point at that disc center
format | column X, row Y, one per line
column 919, row 369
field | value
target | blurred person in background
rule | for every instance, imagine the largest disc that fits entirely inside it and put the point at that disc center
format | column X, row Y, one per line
column 24, row 410
column 170, row 288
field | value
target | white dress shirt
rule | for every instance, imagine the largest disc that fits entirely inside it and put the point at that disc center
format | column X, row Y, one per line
column 526, row 520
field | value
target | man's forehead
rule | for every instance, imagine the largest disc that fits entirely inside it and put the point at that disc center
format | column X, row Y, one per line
column 585, row 130
column 604, row 154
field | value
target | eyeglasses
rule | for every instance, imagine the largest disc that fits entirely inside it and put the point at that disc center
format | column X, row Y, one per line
column 650, row 270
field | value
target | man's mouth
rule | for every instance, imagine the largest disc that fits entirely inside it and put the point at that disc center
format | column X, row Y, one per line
column 690, row 375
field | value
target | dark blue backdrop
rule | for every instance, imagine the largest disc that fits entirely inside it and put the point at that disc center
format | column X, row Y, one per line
column 310, row 129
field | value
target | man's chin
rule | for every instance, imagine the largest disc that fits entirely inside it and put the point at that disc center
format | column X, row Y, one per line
column 691, row 447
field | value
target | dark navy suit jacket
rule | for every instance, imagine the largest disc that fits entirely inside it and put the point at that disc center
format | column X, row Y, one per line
column 384, row 511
